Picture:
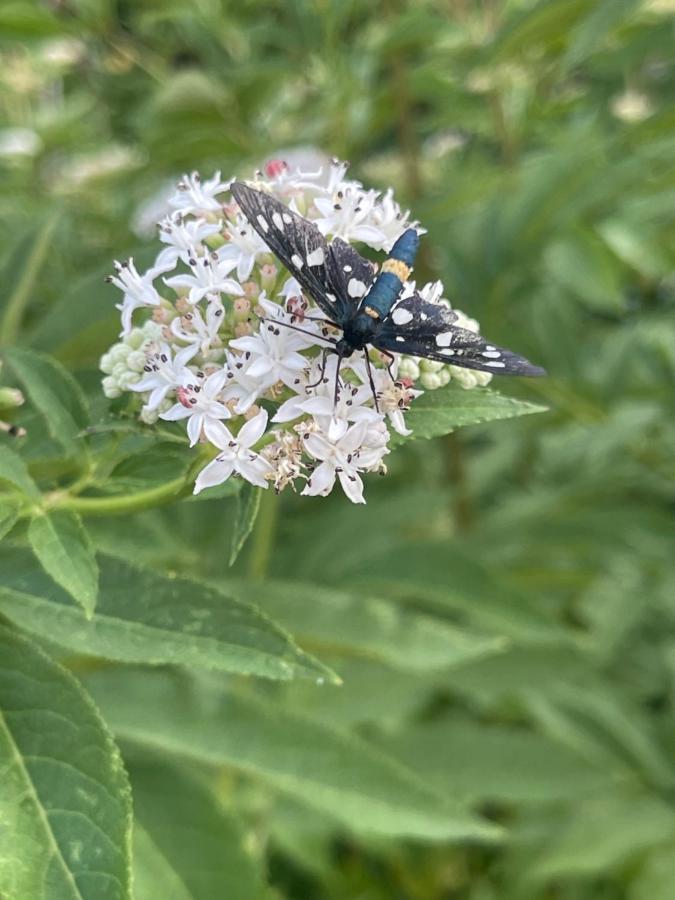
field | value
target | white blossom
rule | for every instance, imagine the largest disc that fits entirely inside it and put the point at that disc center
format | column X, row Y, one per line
column 243, row 247
column 197, row 196
column 199, row 404
column 138, row 290
column 184, row 238
column 344, row 458
column 275, row 350
column 198, row 329
column 209, row 276
column 164, row 372
column 233, row 327
column 236, row 455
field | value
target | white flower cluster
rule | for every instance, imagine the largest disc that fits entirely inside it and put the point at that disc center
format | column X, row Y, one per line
column 217, row 342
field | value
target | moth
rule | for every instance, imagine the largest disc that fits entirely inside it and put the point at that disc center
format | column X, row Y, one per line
column 366, row 306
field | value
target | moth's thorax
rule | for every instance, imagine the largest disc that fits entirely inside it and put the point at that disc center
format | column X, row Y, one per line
column 359, row 331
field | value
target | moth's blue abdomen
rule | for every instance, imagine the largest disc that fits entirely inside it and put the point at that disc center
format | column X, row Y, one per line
column 395, row 270
column 405, row 248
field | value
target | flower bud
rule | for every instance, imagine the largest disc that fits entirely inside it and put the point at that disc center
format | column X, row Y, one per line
column 408, row 368
column 251, row 290
column 10, row 397
column 268, row 277
column 241, row 306
column 242, row 329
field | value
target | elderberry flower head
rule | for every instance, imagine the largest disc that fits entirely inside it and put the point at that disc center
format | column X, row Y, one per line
column 216, row 336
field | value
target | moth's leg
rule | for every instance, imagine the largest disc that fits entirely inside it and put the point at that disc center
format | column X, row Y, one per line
column 370, row 379
column 322, row 375
column 390, row 364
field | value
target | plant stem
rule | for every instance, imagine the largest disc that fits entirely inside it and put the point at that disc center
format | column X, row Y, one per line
column 120, row 504
column 264, row 534
column 18, row 301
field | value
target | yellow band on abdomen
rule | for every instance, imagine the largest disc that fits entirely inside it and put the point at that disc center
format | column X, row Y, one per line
column 396, row 267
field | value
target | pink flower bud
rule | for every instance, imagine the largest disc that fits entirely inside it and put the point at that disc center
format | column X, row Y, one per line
column 275, row 167
column 242, row 307
column 268, row 276
column 251, row 290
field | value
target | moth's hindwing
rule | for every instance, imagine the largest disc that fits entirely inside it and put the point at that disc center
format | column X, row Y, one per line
column 427, row 330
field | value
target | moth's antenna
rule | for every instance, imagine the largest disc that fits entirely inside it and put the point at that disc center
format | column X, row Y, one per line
column 320, row 337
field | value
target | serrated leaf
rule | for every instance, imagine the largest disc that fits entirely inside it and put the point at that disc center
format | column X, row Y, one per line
column 61, row 543
column 439, row 412
column 248, row 506
column 14, row 471
column 332, row 771
column 65, row 805
column 367, row 625
column 144, row 617
column 54, row 393
column 203, row 844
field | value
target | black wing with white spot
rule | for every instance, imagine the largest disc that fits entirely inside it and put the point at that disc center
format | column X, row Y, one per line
column 350, row 274
column 297, row 243
column 426, row 330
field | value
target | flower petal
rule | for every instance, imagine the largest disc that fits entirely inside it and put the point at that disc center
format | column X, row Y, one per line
column 253, row 430
column 352, row 485
column 216, row 472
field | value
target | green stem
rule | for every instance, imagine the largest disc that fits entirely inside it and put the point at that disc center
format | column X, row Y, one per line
column 264, row 534
column 120, row 504
column 18, row 301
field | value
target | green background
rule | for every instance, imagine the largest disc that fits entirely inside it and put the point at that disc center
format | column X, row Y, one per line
column 502, row 612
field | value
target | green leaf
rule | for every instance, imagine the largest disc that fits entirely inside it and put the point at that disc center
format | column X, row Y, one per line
column 442, row 411
column 28, row 266
column 602, row 833
column 368, row 625
column 55, row 394
column 332, row 771
column 154, row 876
column 248, row 505
column 62, row 544
column 202, row 843
column 144, row 617
column 483, row 763
column 9, row 515
column 14, row 471
column 65, row 805
column 587, row 36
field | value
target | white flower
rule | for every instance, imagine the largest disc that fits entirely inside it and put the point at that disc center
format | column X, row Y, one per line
column 236, row 455
column 394, row 395
column 241, row 387
column 199, row 330
column 164, row 372
column 315, row 379
column 184, row 237
column 138, row 289
column 343, row 458
column 209, row 276
column 274, row 349
column 199, row 404
column 346, row 214
column 197, row 196
column 243, row 247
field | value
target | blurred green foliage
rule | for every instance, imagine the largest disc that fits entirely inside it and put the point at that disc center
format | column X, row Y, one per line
column 501, row 614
